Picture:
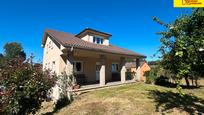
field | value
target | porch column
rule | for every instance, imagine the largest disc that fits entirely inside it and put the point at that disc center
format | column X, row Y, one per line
column 102, row 71
column 122, row 70
column 68, row 68
column 138, row 75
column 69, row 64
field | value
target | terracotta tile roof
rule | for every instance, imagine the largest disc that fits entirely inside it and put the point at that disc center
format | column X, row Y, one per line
column 133, row 64
column 68, row 40
column 130, row 65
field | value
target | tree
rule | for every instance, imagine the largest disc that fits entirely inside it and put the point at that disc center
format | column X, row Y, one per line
column 158, row 75
column 181, row 43
column 1, row 55
column 12, row 50
column 2, row 60
column 152, row 74
column 25, row 85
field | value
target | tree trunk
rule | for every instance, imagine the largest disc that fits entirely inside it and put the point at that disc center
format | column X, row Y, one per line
column 196, row 82
column 192, row 81
column 187, row 81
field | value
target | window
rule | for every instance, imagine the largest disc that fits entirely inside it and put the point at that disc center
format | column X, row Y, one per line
column 78, row 66
column 114, row 67
column 50, row 45
column 97, row 40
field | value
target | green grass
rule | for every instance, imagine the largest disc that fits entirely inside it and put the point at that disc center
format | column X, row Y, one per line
column 138, row 98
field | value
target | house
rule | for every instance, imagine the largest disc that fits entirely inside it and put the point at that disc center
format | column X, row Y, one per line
column 131, row 67
column 88, row 54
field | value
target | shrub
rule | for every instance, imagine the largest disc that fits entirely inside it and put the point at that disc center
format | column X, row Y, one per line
column 115, row 76
column 130, row 75
column 65, row 84
column 151, row 75
column 159, row 76
column 162, row 81
column 25, row 86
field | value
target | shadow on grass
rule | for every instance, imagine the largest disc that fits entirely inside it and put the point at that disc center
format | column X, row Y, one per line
column 59, row 105
column 48, row 113
column 172, row 85
column 166, row 101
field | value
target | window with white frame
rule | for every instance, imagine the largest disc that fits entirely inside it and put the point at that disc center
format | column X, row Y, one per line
column 97, row 40
column 78, row 66
column 115, row 67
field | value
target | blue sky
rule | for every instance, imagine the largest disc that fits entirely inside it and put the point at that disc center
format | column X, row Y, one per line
column 129, row 21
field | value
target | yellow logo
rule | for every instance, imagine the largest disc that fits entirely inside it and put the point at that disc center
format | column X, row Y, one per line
column 188, row 3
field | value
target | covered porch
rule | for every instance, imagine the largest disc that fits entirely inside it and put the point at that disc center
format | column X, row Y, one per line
column 96, row 69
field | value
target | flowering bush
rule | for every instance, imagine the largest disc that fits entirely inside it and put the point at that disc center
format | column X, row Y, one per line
column 25, row 86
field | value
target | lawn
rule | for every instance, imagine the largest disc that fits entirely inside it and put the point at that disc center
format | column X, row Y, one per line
column 137, row 98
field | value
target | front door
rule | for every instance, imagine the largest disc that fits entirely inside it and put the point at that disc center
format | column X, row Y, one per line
column 98, row 67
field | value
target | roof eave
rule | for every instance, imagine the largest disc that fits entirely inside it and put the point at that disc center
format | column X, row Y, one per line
column 78, row 47
column 90, row 29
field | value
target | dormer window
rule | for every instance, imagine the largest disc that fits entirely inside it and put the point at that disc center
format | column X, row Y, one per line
column 97, row 40
column 94, row 36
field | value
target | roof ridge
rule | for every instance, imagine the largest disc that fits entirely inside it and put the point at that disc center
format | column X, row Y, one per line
column 47, row 29
column 91, row 29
